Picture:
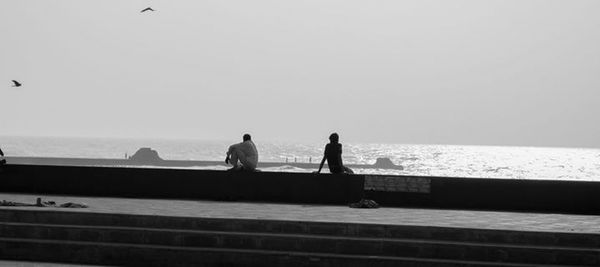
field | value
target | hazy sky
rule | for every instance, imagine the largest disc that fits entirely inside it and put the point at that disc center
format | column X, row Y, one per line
column 509, row 72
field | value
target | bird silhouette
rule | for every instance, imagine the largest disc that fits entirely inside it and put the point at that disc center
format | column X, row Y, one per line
column 16, row 84
column 146, row 9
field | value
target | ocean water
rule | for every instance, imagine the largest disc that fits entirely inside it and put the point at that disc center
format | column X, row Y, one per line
column 423, row 160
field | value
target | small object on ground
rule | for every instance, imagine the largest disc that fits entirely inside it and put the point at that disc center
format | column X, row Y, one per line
column 147, row 9
column 15, row 204
column 16, row 84
column 73, row 205
column 48, row 204
column 40, row 203
column 365, row 204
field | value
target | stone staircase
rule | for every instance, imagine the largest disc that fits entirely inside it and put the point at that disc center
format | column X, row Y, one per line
column 142, row 240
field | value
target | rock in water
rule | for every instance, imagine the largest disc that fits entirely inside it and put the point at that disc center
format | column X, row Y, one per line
column 386, row 163
column 145, row 155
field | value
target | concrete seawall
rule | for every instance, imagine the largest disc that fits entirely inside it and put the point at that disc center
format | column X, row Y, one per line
column 181, row 184
column 401, row 191
column 382, row 163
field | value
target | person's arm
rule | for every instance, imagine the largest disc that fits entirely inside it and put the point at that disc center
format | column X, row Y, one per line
column 228, row 154
column 340, row 157
column 321, row 165
column 323, row 160
column 1, row 153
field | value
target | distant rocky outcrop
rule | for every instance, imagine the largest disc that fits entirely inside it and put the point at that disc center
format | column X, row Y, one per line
column 386, row 163
column 145, row 155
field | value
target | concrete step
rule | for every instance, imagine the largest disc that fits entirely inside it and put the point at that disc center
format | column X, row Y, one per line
column 403, row 247
column 156, row 255
column 304, row 227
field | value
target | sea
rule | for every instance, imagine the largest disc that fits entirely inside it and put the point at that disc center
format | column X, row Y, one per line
column 508, row 162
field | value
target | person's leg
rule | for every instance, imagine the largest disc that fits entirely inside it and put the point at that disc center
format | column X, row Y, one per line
column 333, row 169
column 237, row 158
column 234, row 158
column 248, row 163
column 348, row 170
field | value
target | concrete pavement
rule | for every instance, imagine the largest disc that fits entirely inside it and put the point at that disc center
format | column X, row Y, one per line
column 517, row 221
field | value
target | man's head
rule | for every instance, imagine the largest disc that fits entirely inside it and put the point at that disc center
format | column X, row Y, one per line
column 334, row 138
column 247, row 137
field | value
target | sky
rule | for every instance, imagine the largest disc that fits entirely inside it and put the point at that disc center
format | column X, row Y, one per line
column 469, row 72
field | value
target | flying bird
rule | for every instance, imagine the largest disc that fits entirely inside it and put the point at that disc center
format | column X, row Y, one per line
column 16, row 84
column 146, row 9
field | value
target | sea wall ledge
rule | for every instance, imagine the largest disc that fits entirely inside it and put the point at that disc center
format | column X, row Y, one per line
column 577, row 197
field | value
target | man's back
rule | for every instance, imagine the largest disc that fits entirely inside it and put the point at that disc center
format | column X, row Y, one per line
column 333, row 153
column 249, row 149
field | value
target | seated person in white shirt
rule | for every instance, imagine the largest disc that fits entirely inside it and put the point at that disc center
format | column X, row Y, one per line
column 243, row 156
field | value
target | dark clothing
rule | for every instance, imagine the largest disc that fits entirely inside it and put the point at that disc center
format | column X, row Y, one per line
column 333, row 153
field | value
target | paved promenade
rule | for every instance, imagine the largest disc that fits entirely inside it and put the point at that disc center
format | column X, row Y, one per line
column 322, row 213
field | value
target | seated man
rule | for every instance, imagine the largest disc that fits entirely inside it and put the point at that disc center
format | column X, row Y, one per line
column 243, row 156
column 333, row 155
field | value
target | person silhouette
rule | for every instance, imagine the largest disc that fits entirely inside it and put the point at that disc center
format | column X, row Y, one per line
column 333, row 155
column 243, row 156
column 2, row 161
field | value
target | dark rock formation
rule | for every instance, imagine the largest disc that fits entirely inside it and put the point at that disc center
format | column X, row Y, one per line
column 386, row 163
column 145, row 155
